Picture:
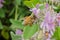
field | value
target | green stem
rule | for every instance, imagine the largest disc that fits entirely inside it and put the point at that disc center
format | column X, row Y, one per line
column 11, row 12
column 32, row 15
column 16, row 15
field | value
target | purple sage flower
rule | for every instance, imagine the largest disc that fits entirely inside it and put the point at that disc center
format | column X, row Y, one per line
column 48, row 24
column 18, row 32
column 36, row 12
column 1, row 5
column 1, row 1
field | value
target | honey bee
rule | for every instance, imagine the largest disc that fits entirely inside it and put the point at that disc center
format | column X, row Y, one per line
column 28, row 20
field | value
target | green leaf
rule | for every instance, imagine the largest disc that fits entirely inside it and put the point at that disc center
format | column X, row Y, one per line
column 30, row 31
column 55, row 7
column 57, row 33
column 32, row 3
column 16, row 24
column 35, row 2
column 2, row 13
column 5, row 34
column 1, row 27
column 17, row 2
column 15, row 37
column 29, row 4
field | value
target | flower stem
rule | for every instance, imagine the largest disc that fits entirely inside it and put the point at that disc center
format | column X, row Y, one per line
column 16, row 15
column 11, row 12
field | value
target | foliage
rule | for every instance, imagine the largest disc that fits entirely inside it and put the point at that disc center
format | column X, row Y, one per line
column 12, row 14
column 29, row 31
column 31, row 3
column 57, row 33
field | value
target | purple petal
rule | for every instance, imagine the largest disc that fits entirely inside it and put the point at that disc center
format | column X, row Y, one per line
column 59, row 23
column 51, row 32
column 37, row 6
column 47, row 16
column 1, row 5
column 1, row 1
column 48, row 39
column 47, row 5
column 36, row 12
column 18, row 32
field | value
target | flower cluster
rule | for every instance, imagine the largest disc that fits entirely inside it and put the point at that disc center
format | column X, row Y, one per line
column 48, row 24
